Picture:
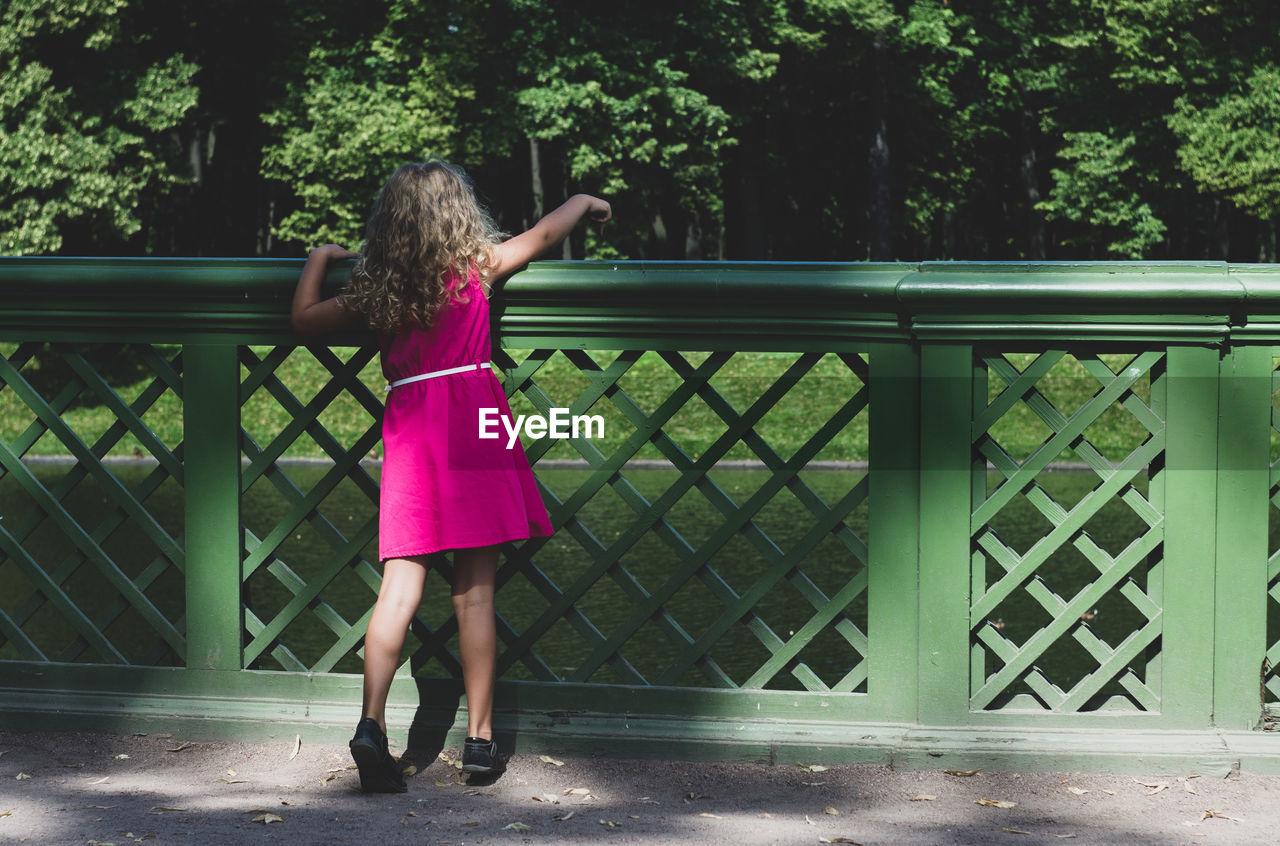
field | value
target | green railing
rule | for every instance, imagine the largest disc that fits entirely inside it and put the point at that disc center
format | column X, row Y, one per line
column 912, row 513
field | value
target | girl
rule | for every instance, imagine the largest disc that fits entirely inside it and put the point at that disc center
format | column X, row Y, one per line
column 430, row 258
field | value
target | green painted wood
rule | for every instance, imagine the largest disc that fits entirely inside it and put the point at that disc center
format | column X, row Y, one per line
column 211, row 432
column 1240, row 584
column 928, row 659
column 1190, row 492
column 946, row 411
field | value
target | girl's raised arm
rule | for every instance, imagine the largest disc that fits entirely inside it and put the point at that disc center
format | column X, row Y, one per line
column 311, row 315
column 513, row 254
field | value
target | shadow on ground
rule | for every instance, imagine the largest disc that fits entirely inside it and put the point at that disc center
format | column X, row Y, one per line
column 90, row 787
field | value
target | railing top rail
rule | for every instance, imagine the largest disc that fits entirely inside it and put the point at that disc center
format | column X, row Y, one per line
column 764, row 305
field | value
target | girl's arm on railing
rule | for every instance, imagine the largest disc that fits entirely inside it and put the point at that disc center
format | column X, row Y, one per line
column 513, row 254
column 311, row 315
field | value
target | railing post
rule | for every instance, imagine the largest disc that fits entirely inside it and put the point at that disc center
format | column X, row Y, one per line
column 211, row 453
column 1190, row 542
column 1240, row 589
column 947, row 373
column 893, row 578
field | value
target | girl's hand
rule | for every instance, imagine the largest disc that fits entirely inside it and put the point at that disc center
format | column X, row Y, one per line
column 310, row 314
column 599, row 210
column 331, row 252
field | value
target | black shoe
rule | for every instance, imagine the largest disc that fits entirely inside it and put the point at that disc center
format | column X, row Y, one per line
column 379, row 772
column 481, row 756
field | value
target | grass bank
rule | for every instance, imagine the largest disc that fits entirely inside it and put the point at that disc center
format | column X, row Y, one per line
column 822, row 390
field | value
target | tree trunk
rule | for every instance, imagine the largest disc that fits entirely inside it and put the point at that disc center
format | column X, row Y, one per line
column 535, row 179
column 1222, row 229
column 880, row 248
column 693, row 239
column 1031, row 188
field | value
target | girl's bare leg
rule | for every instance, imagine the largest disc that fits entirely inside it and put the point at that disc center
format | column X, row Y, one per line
column 398, row 599
column 473, row 585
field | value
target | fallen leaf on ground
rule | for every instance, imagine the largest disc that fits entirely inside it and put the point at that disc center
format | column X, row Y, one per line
column 812, row 768
column 830, row 810
column 6, row 813
column 711, row 816
column 1109, row 793
column 409, row 771
column 471, row 824
column 1014, row 831
column 547, row 759
column 1157, row 789
column 297, row 746
column 809, row 821
column 962, row 773
column 1189, row 787
column 689, row 797
column 578, row 791
column 179, row 748
column 610, row 824
column 548, row 798
column 1151, row 783
column 517, row 826
column 1064, row 836
column 232, row 773
column 160, row 809
column 995, row 803
column 838, row 840
column 122, row 757
column 923, row 797
column 1077, row 791
column 102, row 780
column 1215, row 815
column 21, row 777
column 633, row 816
column 563, row 817
column 232, row 780
column 813, row 783
column 765, row 816
column 267, row 819
column 648, row 801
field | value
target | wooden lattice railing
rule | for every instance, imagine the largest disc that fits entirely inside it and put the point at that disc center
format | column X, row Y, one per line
column 817, row 501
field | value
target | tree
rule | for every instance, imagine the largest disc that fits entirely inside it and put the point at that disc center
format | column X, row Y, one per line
column 86, row 116
column 360, row 108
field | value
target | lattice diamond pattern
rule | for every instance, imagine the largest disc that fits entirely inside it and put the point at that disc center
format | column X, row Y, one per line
column 1092, row 638
column 309, row 580
column 92, row 559
column 1271, row 674
column 649, row 603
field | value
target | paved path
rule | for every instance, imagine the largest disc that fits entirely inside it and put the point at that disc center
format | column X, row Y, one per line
column 86, row 788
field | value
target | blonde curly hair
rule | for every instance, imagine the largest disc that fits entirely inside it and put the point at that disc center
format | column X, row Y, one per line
column 425, row 235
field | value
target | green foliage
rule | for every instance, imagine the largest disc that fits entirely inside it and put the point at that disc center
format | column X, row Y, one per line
column 360, row 109
column 83, row 113
column 1232, row 146
column 727, row 128
column 1096, row 190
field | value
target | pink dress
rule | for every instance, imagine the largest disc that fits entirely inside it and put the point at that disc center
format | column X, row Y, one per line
column 443, row 486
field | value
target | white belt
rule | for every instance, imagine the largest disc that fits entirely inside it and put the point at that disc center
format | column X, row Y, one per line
column 434, row 373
